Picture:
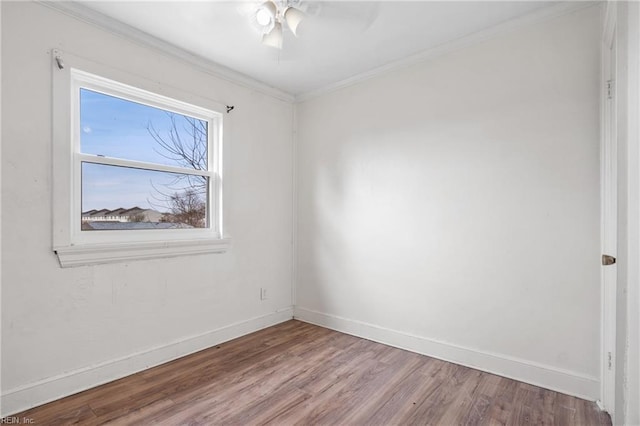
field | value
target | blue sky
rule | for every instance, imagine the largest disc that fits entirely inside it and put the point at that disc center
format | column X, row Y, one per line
column 116, row 127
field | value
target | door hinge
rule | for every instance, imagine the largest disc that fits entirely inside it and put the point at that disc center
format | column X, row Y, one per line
column 609, row 89
column 610, row 361
column 608, row 260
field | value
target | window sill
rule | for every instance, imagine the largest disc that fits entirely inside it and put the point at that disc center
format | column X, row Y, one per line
column 94, row 254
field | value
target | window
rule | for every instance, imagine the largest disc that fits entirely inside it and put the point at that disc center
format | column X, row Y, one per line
column 137, row 174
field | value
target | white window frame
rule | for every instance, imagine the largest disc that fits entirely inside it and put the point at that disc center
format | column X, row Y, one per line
column 75, row 247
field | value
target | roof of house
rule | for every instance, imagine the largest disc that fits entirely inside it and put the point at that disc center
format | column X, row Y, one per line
column 117, row 212
column 112, row 226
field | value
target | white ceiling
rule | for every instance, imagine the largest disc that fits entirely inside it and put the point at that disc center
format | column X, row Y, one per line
column 337, row 41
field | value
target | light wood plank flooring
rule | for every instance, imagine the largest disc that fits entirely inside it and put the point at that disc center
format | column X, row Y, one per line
column 297, row 373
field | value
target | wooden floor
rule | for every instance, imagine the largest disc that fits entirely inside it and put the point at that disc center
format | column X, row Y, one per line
column 297, row 373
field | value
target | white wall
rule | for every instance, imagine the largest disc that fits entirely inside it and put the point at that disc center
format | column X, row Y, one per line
column 628, row 286
column 453, row 207
column 632, row 196
column 67, row 329
column 632, row 413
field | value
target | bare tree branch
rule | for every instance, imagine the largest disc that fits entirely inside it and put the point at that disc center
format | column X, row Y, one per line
column 184, row 144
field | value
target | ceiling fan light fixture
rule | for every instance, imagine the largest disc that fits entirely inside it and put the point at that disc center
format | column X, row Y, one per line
column 266, row 13
column 274, row 37
column 293, row 17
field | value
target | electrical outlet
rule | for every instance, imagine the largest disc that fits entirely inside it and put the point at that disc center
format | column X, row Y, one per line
column 263, row 293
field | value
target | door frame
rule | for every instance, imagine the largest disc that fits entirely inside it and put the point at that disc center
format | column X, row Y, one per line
column 608, row 209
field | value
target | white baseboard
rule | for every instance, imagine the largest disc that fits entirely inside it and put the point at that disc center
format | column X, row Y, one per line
column 47, row 390
column 564, row 381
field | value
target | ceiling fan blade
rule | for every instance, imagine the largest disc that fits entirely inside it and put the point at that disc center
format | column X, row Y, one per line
column 356, row 15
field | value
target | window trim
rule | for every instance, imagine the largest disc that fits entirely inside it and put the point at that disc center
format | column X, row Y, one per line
column 75, row 247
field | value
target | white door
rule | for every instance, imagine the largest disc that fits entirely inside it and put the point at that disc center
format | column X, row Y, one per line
column 609, row 211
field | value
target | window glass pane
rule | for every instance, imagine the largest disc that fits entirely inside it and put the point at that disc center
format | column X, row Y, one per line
column 115, row 127
column 116, row 198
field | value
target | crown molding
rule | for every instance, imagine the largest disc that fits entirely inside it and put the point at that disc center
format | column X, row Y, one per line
column 85, row 14
column 100, row 20
column 538, row 16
